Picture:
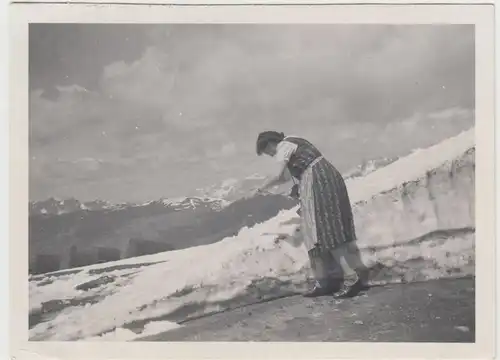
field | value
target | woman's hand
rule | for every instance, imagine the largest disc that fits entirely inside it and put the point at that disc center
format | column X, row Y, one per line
column 294, row 193
column 276, row 180
column 258, row 191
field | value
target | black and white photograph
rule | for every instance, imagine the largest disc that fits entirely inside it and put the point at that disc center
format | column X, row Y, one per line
column 252, row 182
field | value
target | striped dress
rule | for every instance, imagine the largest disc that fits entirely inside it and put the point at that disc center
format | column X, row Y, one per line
column 326, row 213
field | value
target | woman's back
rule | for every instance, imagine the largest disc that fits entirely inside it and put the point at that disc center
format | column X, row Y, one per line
column 304, row 154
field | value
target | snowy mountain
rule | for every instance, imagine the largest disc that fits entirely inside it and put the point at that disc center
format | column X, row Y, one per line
column 367, row 167
column 233, row 189
column 216, row 196
column 53, row 206
column 80, row 231
column 65, row 234
column 415, row 221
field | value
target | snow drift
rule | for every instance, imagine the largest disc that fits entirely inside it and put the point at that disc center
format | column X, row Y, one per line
column 414, row 220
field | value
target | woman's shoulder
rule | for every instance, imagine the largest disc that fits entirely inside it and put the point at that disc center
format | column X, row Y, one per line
column 287, row 143
column 285, row 149
column 300, row 141
column 296, row 140
column 292, row 138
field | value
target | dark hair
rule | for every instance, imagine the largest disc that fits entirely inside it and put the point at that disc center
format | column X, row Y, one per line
column 267, row 137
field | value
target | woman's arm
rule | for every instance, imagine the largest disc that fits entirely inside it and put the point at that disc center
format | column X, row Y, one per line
column 278, row 179
column 284, row 151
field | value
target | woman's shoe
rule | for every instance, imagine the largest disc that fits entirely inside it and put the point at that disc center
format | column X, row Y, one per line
column 323, row 290
column 350, row 287
column 364, row 277
column 317, row 291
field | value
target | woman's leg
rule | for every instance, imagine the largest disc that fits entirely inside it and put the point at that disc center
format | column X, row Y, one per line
column 340, row 255
column 326, row 272
column 343, row 241
column 323, row 265
column 356, row 261
column 349, row 259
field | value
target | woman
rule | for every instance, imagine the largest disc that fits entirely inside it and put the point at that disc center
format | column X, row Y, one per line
column 326, row 215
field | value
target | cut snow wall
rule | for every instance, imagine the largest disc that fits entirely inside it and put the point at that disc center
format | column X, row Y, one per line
column 442, row 199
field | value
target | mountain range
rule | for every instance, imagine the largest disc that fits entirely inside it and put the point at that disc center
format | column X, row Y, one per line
column 158, row 225
column 65, row 233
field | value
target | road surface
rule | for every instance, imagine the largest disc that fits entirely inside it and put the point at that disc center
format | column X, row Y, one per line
column 432, row 311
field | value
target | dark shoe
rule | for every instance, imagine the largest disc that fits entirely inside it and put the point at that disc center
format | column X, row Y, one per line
column 323, row 290
column 350, row 288
column 318, row 291
column 364, row 277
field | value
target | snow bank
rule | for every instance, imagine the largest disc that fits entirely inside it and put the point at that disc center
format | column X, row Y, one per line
column 121, row 334
column 416, row 215
column 414, row 218
column 191, row 282
column 437, row 197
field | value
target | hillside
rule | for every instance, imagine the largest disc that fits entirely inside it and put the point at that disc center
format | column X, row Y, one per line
column 156, row 226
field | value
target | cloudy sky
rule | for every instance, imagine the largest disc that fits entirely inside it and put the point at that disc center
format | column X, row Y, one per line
column 138, row 112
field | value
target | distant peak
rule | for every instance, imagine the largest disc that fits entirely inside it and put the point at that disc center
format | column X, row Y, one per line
column 59, row 207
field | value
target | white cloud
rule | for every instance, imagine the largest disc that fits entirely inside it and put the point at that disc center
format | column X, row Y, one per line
column 452, row 113
column 88, row 164
column 181, row 101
